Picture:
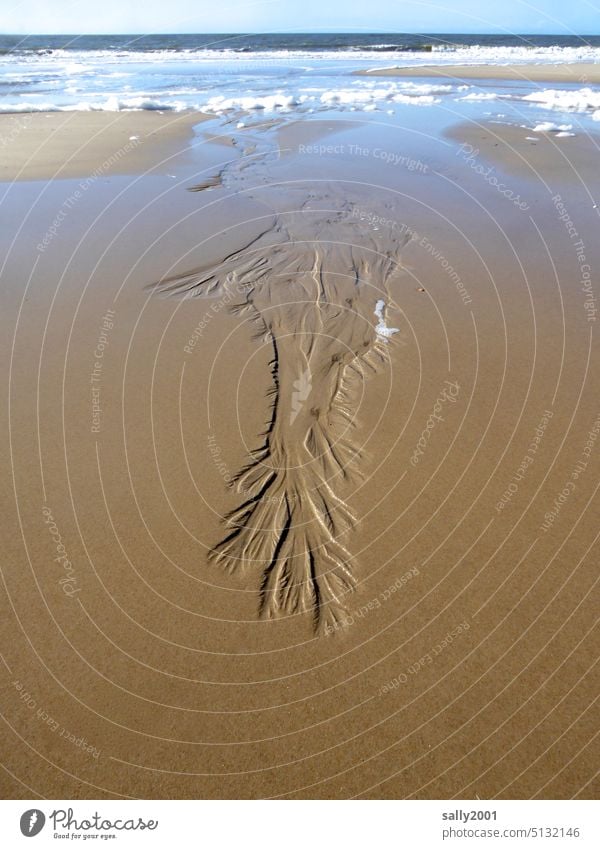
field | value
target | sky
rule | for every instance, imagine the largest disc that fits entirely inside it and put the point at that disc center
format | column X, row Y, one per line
column 566, row 17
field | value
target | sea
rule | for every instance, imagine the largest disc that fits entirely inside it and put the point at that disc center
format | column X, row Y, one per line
column 300, row 73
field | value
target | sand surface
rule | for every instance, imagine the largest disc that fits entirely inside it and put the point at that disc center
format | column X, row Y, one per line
column 59, row 145
column 585, row 73
column 301, row 469
column 544, row 156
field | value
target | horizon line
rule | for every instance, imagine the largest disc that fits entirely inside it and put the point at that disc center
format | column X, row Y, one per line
column 312, row 32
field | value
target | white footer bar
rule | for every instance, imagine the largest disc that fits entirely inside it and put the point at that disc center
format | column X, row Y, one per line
column 301, row 824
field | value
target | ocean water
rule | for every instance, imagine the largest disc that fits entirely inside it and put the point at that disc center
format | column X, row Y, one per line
column 254, row 75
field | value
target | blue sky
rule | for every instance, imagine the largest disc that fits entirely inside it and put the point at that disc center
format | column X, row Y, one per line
column 125, row 16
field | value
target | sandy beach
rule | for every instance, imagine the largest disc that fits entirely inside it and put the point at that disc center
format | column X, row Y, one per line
column 581, row 72
column 61, row 145
column 545, row 155
column 300, row 466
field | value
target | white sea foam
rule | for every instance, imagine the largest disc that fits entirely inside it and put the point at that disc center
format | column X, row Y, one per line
column 112, row 104
column 268, row 103
column 566, row 100
column 120, row 104
column 360, row 96
column 477, row 96
column 409, row 87
column 439, row 54
column 551, row 127
column 28, row 107
column 381, row 327
column 366, row 98
column 477, row 54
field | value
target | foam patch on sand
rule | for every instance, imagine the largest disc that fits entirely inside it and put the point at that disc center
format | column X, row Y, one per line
column 551, row 127
column 381, row 329
column 559, row 130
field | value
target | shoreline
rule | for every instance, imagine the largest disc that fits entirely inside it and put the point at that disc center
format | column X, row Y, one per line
column 585, row 73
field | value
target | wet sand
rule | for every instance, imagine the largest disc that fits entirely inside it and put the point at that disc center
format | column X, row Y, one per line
column 301, row 471
column 542, row 156
column 585, row 73
column 61, row 145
